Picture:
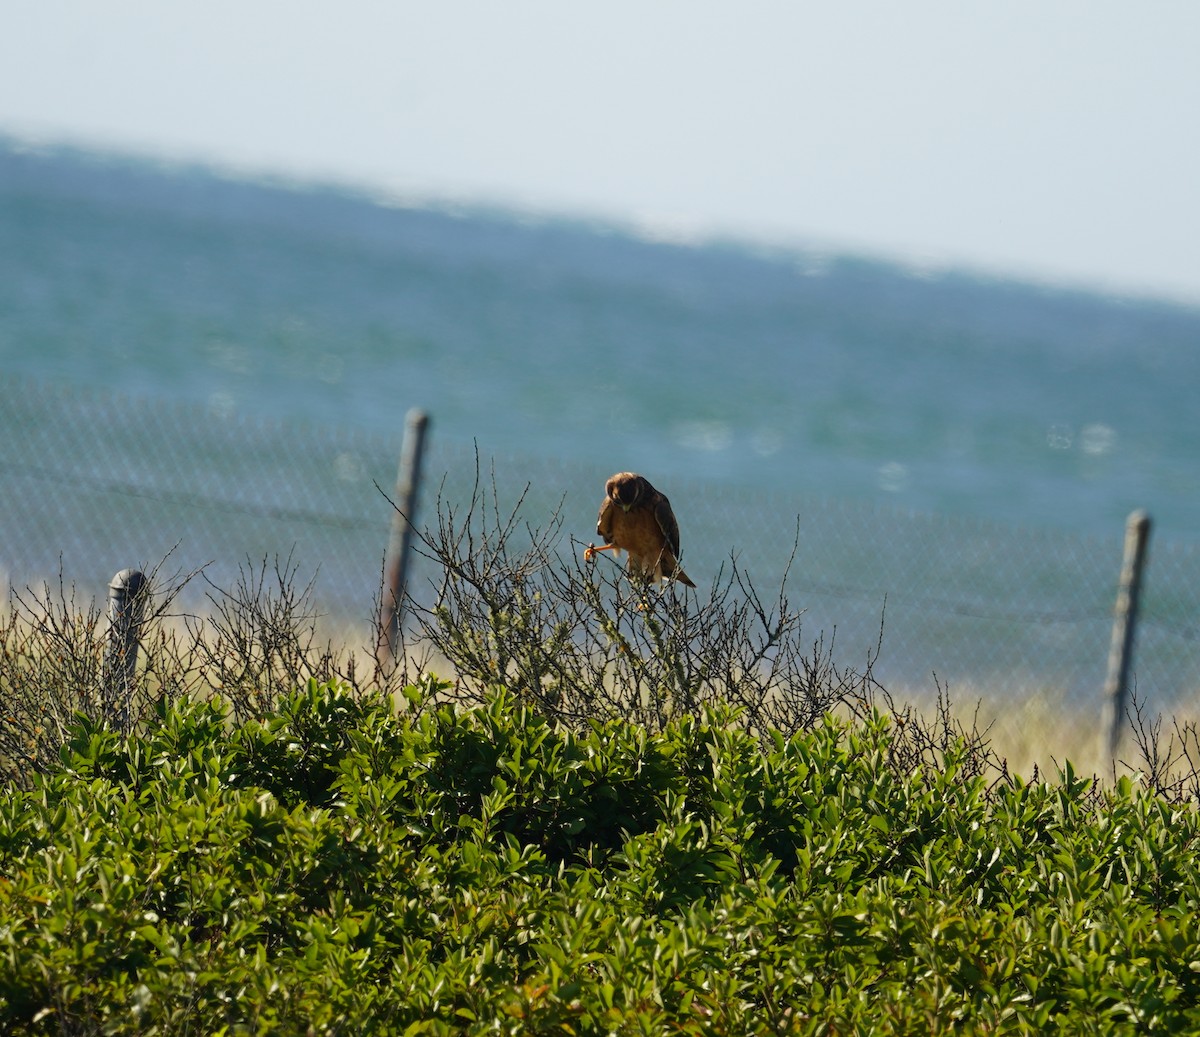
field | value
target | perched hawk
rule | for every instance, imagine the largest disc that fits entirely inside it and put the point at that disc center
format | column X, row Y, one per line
column 636, row 518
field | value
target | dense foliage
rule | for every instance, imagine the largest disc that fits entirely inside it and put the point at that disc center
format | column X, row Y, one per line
column 341, row 869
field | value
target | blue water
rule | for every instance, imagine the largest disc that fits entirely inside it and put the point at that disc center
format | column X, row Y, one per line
column 825, row 375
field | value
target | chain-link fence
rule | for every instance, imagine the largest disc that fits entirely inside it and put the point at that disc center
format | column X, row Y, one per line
column 1020, row 620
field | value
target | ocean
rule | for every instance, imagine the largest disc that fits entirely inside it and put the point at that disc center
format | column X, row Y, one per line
column 740, row 379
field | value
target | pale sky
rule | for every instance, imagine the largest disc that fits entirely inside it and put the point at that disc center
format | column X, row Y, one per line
column 1036, row 138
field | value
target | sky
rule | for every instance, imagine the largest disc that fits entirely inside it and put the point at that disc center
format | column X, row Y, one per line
column 1039, row 139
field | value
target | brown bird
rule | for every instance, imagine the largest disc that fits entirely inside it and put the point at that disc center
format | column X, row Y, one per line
column 638, row 519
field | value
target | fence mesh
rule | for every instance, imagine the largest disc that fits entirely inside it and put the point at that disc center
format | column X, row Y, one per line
column 1018, row 620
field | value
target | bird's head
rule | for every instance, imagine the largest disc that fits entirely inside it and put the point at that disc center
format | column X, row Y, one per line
column 625, row 489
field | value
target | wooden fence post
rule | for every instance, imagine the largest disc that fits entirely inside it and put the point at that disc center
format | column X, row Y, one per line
column 1120, row 655
column 408, row 480
column 126, row 606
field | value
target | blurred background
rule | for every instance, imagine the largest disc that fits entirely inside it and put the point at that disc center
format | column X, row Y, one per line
column 921, row 283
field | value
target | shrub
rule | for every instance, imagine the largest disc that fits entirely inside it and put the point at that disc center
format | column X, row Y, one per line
column 337, row 868
column 582, row 642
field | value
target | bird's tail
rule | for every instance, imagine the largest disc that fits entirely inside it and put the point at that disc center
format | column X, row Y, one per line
column 682, row 577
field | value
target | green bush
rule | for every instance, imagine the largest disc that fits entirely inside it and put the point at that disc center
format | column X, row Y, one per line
column 336, row 868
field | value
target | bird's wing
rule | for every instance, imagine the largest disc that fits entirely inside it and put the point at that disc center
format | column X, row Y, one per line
column 604, row 521
column 667, row 523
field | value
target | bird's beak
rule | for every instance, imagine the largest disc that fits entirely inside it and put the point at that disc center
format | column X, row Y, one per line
column 625, row 508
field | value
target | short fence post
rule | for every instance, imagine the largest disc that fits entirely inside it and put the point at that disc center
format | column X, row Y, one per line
column 126, row 606
column 408, row 480
column 1120, row 656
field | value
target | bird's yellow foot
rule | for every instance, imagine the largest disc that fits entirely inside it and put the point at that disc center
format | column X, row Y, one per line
column 590, row 552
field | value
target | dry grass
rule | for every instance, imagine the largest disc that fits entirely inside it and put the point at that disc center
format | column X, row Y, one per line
column 1032, row 735
column 247, row 645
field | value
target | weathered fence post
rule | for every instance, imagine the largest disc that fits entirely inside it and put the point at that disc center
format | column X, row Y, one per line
column 126, row 606
column 408, row 480
column 1120, row 655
